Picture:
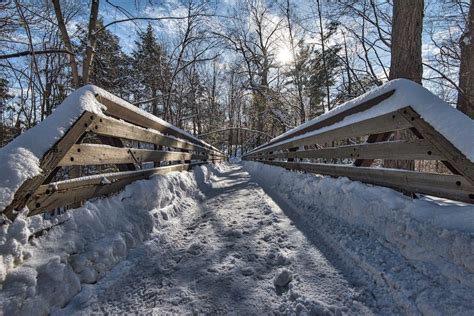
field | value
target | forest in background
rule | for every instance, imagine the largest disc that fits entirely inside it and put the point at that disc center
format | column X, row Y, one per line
column 209, row 65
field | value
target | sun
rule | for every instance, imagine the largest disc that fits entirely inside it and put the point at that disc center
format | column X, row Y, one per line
column 284, row 55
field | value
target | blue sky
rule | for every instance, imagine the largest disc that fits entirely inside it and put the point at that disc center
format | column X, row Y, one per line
column 439, row 23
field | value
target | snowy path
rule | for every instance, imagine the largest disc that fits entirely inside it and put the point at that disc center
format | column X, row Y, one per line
column 222, row 255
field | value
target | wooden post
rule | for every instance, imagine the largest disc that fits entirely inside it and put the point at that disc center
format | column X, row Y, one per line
column 48, row 164
column 454, row 157
column 185, row 161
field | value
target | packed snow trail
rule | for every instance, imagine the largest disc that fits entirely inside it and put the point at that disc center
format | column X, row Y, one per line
column 222, row 255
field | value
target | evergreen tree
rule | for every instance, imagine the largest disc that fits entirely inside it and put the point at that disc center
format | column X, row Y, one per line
column 4, row 93
column 317, row 80
column 308, row 73
column 151, row 70
column 110, row 65
column 4, row 96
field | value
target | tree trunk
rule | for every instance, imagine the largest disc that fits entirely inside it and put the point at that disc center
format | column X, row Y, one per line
column 154, row 104
column 323, row 50
column 407, row 25
column 346, row 61
column 466, row 70
column 67, row 43
column 406, row 61
column 262, row 96
column 91, row 42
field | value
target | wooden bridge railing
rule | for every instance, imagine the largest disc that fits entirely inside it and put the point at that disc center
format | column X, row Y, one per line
column 329, row 147
column 122, row 136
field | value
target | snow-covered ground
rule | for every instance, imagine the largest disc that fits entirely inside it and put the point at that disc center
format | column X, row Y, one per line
column 244, row 239
column 222, row 256
column 420, row 251
column 44, row 263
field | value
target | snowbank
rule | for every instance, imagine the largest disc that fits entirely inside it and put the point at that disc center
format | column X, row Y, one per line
column 435, row 237
column 451, row 123
column 44, row 262
column 20, row 159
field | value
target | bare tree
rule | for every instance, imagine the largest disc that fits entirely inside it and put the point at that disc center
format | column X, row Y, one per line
column 296, row 71
column 323, row 48
column 67, row 42
column 91, row 41
column 252, row 36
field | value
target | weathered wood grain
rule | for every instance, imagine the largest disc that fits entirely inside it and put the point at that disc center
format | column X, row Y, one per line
column 108, row 126
column 93, row 154
column 454, row 156
column 121, row 112
column 418, row 149
column 335, row 118
column 387, row 122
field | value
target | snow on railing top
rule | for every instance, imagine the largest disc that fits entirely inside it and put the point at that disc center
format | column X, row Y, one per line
column 20, row 159
column 454, row 125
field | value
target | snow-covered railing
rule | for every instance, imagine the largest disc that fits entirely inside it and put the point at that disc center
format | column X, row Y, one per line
column 353, row 139
column 90, row 130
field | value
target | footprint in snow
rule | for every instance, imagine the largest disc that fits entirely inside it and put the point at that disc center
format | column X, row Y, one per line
column 233, row 233
column 247, row 271
column 283, row 278
column 195, row 249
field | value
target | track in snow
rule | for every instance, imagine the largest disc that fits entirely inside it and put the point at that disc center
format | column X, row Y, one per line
column 221, row 255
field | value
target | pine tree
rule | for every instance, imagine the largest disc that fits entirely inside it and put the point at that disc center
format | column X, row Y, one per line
column 109, row 67
column 318, row 79
column 151, row 70
column 4, row 93
column 308, row 72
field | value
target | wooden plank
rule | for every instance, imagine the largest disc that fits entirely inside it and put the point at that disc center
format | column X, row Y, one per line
column 335, row 118
column 116, row 142
column 75, row 171
column 62, row 193
column 93, row 154
column 388, row 122
column 121, row 112
column 396, row 150
column 48, row 164
column 108, row 126
column 448, row 186
column 454, row 156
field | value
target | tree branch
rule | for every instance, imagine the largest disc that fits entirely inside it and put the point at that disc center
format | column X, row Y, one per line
column 146, row 19
column 38, row 52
